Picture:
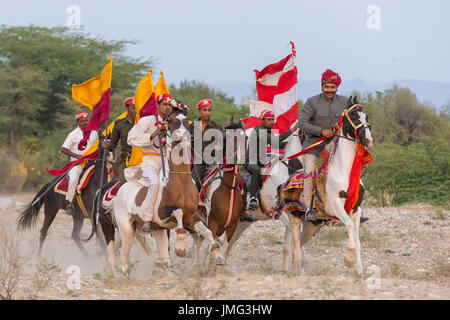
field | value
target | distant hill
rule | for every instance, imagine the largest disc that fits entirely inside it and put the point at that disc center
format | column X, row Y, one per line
column 435, row 93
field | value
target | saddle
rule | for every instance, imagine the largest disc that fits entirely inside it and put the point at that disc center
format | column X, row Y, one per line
column 63, row 186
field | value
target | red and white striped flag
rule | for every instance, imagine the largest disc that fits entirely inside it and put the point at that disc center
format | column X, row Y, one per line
column 276, row 86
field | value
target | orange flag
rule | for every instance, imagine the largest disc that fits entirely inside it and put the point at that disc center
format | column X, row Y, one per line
column 94, row 94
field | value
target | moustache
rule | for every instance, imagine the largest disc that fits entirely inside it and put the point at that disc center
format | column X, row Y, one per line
column 330, row 92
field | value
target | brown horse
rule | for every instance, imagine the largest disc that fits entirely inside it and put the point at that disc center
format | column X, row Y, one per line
column 177, row 206
column 227, row 203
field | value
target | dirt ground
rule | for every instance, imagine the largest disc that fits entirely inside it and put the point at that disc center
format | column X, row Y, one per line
column 405, row 253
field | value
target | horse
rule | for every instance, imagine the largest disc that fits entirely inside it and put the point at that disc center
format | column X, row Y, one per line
column 276, row 172
column 177, row 203
column 53, row 201
column 354, row 129
column 223, row 184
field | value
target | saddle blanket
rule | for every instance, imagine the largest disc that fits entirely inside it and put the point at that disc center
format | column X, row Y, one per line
column 63, row 186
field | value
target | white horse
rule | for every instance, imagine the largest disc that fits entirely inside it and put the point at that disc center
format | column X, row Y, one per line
column 277, row 173
column 354, row 129
column 177, row 204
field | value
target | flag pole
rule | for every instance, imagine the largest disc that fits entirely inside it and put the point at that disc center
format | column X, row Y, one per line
column 105, row 151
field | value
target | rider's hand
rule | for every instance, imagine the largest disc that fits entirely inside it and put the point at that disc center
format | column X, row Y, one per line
column 327, row 132
column 157, row 131
column 295, row 127
column 78, row 156
column 105, row 144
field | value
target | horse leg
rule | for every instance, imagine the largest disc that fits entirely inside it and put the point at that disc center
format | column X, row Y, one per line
column 240, row 228
column 109, row 232
column 356, row 217
column 126, row 233
column 349, row 259
column 296, row 251
column 201, row 229
column 197, row 252
column 308, row 231
column 287, row 247
column 77, row 225
column 50, row 212
column 180, row 249
column 162, row 242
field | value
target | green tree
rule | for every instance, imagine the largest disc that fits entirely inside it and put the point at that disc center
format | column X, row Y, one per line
column 22, row 94
column 66, row 57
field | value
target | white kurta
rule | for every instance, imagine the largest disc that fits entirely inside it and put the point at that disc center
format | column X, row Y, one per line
column 139, row 136
column 71, row 143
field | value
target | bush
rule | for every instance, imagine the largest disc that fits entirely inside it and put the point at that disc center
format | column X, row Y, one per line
column 415, row 173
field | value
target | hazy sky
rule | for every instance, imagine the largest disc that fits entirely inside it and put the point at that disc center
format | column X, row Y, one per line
column 223, row 41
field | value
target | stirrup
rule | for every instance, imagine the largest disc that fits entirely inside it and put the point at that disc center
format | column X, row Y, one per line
column 310, row 215
column 253, row 203
column 146, row 228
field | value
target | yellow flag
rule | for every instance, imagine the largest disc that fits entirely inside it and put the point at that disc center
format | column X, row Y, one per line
column 144, row 91
column 161, row 86
column 91, row 91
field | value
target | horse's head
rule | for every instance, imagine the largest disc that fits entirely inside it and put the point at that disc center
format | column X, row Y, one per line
column 179, row 126
column 355, row 123
column 235, row 137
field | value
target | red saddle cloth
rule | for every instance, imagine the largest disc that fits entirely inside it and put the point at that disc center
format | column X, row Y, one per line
column 63, row 186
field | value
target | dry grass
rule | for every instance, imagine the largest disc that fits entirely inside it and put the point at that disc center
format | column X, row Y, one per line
column 11, row 265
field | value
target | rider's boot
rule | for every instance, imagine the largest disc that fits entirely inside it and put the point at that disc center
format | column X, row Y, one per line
column 70, row 209
column 363, row 219
column 146, row 227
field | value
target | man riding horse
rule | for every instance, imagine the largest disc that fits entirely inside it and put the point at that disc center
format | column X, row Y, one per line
column 70, row 148
column 198, row 130
column 260, row 137
column 119, row 136
column 143, row 135
column 320, row 117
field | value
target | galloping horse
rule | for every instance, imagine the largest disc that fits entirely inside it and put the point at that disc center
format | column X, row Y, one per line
column 223, row 188
column 354, row 129
column 276, row 172
column 178, row 202
column 53, row 201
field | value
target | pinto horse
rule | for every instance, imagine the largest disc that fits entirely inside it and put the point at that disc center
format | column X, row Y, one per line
column 177, row 203
column 276, row 172
column 53, row 201
column 354, row 129
column 223, row 191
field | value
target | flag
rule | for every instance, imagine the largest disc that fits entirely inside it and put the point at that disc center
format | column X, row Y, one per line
column 276, row 85
column 145, row 103
column 145, row 97
column 256, row 107
column 161, row 86
column 94, row 94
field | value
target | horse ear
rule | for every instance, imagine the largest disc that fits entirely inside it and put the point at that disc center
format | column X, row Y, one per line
column 355, row 100
column 231, row 120
column 349, row 101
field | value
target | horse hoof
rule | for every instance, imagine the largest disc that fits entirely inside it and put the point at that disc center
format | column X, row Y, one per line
column 163, row 264
column 349, row 260
column 180, row 252
column 220, row 261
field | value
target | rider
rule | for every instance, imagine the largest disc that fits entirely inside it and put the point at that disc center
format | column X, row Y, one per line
column 119, row 136
column 197, row 131
column 261, row 136
column 70, row 148
column 144, row 134
column 320, row 117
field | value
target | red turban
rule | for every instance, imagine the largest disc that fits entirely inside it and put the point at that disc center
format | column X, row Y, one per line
column 204, row 103
column 129, row 101
column 164, row 97
column 82, row 115
column 266, row 114
column 329, row 76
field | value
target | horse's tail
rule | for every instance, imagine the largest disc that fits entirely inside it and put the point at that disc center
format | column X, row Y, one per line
column 93, row 218
column 140, row 238
column 28, row 217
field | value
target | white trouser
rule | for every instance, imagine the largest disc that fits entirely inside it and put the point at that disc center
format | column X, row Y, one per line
column 74, row 175
column 308, row 160
column 150, row 177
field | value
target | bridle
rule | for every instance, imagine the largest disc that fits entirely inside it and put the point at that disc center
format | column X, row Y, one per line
column 346, row 114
